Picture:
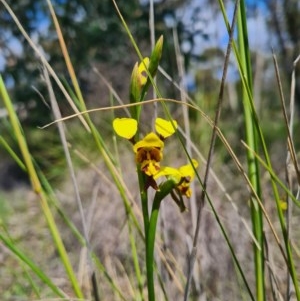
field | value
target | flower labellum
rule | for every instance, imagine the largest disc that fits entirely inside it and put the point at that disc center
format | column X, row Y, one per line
column 149, row 153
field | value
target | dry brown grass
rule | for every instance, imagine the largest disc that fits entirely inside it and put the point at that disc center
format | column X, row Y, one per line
column 215, row 274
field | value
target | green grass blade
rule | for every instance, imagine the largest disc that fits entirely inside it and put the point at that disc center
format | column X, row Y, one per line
column 291, row 265
column 79, row 236
column 253, row 168
column 37, row 188
column 12, row 153
column 28, row 262
column 134, row 253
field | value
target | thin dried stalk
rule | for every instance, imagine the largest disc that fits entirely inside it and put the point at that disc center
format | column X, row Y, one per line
column 210, row 153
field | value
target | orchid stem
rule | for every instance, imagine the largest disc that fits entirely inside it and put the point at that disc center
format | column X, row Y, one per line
column 164, row 190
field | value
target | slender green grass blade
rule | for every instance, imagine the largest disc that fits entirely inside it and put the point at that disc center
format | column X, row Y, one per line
column 28, row 262
column 37, row 188
column 251, row 138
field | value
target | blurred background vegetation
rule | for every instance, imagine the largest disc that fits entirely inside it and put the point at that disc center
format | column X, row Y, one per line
column 95, row 39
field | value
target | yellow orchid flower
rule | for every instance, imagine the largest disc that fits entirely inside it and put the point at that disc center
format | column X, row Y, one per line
column 142, row 71
column 149, row 152
column 184, row 175
column 169, row 172
column 125, row 127
column 188, row 175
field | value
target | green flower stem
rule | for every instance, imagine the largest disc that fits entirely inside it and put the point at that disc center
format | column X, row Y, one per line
column 165, row 189
column 144, row 203
column 144, row 200
column 150, row 249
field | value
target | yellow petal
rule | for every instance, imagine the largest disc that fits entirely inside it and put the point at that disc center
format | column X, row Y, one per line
column 188, row 170
column 150, row 141
column 143, row 66
column 164, row 127
column 125, row 127
column 170, row 172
